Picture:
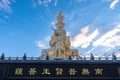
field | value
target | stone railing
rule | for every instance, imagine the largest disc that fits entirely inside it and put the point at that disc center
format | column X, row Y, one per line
column 90, row 57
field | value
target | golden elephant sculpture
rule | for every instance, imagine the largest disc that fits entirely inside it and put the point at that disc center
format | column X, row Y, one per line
column 50, row 52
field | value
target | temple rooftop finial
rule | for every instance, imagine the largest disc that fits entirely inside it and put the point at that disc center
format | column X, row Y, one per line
column 60, row 18
column 60, row 13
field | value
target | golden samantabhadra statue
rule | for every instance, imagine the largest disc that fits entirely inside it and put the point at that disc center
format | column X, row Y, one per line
column 60, row 43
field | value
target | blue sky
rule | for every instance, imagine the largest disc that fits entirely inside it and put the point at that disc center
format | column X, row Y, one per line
column 25, row 25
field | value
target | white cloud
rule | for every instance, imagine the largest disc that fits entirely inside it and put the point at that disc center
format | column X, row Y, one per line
column 118, row 54
column 5, row 5
column 34, row 3
column 12, row 33
column 68, row 33
column 56, row 3
column 83, row 39
column 40, row 44
column 118, row 15
column 109, row 39
column 112, row 5
column 43, row 43
column 53, row 23
column 90, row 50
column 47, row 38
column 85, row 30
column 41, row 2
column 46, row 1
column 107, row 0
column 2, row 21
column 7, row 17
column 79, row 1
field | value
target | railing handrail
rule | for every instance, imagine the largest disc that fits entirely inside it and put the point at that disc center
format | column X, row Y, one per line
column 89, row 57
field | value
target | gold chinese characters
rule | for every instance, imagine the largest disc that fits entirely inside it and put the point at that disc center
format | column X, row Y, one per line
column 59, row 71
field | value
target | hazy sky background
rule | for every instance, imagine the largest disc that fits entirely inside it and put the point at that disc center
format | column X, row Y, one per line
column 25, row 25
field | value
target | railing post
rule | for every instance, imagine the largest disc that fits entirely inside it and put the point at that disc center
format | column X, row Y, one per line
column 84, row 58
column 3, row 56
column 24, row 57
column 91, row 57
column 106, row 58
column 47, row 57
column 113, row 57
column 69, row 57
column 32, row 58
column 9, row 58
column 17, row 58
column 99, row 58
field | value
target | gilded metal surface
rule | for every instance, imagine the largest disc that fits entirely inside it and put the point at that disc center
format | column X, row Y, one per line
column 60, row 42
